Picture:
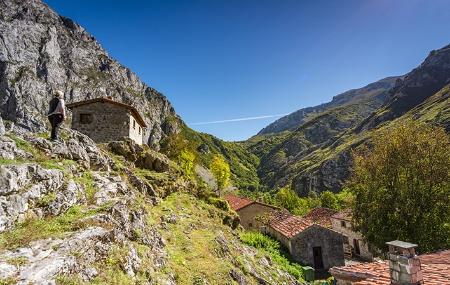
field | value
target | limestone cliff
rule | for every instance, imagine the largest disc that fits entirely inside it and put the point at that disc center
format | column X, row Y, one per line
column 41, row 51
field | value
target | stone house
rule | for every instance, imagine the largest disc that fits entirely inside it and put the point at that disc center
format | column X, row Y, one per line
column 354, row 244
column 402, row 267
column 104, row 120
column 251, row 213
column 307, row 242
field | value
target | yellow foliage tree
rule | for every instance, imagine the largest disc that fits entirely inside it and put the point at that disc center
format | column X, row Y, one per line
column 221, row 171
column 186, row 160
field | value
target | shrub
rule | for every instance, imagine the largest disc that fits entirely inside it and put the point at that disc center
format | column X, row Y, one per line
column 272, row 248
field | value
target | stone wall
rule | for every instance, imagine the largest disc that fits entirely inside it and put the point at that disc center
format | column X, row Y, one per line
column 317, row 236
column 352, row 236
column 108, row 121
column 252, row 214
column 279, row 237
column 136, row 130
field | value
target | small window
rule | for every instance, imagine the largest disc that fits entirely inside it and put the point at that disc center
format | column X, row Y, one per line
column 139, row 130
column 134, row 124
column 343, row 224
column 250, row 225
column 85, row 118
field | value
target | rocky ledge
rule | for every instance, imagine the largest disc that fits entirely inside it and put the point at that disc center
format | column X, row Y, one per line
column 73, row 212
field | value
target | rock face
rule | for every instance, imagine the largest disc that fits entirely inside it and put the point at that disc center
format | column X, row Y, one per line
column 2, row 127
column 412, row 90
column 41, row 51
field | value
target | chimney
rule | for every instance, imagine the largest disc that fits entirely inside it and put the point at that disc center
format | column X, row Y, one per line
column 404, row 264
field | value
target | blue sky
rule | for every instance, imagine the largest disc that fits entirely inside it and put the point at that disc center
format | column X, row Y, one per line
column 220, row 60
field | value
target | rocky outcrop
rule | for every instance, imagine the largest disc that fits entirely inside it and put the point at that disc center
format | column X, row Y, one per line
column 2, row 127
column 41, row 51
column 142, row 156
column 21, row 186
column 412, row 90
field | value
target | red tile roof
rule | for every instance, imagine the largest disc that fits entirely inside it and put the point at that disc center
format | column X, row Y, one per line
column 345, row 215
column 435, row 270
column 132, row 109
column 237, row 203
column 321, row 216
column 287, row 224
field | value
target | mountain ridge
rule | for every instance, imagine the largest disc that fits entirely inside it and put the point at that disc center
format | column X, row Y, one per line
column 314, row 153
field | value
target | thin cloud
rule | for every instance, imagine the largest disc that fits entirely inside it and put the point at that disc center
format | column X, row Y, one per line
column 239, row 119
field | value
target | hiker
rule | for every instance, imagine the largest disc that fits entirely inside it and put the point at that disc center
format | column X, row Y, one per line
column 56, row 113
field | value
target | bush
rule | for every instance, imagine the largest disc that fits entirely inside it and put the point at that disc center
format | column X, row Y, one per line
column 272, row 248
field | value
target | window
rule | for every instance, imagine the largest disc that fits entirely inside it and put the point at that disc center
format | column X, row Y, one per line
column 250, row 225
column 139, row 130
column 343, row 224
column 134, row 124
column 85, row 118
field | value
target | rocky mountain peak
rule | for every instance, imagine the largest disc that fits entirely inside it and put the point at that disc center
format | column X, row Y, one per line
column 41, row 51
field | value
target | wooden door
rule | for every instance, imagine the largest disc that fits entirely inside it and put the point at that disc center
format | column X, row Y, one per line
column 318, row 261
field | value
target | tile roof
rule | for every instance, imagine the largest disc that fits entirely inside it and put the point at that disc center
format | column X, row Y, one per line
column 343, row 215
column 132, row 109
column 237, row 203
column 321, row 216
column 287, row 224
column 435, row 270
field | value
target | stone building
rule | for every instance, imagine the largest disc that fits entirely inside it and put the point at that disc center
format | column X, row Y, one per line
column 354, row 244
column 307, row 242
column 104, row 120
column 251, row 213
column 402, row 267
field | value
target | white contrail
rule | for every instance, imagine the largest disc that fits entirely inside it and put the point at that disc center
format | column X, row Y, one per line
column 239, row 119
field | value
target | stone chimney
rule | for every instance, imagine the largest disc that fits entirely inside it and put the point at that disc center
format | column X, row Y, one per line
column 404, row 264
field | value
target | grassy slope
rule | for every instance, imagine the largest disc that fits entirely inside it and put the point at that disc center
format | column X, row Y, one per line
column 242, row 163
column 193, row 242
column 287, row 154
column 195, row 249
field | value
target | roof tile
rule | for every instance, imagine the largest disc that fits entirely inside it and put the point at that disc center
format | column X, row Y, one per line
column 435, row 269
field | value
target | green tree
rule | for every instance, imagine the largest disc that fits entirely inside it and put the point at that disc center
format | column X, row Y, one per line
column 402, row 187
column 288, row 199
column 221, row 171
column 186, row 160
column 329, row 200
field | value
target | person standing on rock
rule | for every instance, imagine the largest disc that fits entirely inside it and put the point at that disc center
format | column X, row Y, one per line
column 56, row 113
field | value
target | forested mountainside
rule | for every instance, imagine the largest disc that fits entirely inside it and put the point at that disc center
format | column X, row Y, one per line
column 315, row 155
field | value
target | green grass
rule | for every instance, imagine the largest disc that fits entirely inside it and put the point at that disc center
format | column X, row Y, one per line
column 4, row 161
column 193, row 251
column 34, row 229
column 87, row 180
